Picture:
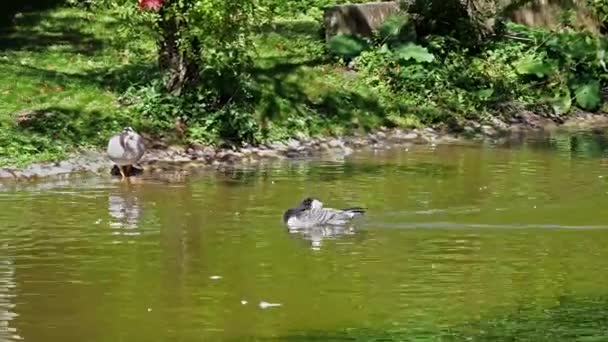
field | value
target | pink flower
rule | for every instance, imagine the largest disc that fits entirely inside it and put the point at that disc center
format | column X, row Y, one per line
column 154, row 5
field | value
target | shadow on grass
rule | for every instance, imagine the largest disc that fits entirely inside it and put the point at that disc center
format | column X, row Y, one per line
column 115, row 79
column 573, row 319
column 39, row 30
column 8, row 9
column 276, row 95
column 68, row 125
column 295, row 29
column 63, row 34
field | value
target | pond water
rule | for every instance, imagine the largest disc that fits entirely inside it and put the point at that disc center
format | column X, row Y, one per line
column 479, row 242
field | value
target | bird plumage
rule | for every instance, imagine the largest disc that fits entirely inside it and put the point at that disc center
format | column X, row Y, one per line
column 311, row 213
column 126, row 149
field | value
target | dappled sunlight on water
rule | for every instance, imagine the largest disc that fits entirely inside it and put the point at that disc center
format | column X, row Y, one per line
column 456, row 239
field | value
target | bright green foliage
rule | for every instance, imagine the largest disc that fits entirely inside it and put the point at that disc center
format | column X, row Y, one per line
column 600, row 9
column 346, row 46
column 534, row 65
column 588, row 95
column 265, row 78
column 561, row 102
column 415, row 52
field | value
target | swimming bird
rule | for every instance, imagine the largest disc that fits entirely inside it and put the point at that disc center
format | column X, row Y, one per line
column 126, row 149
column 311, row 213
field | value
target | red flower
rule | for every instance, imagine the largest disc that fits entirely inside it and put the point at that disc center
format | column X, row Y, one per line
column 154, row 5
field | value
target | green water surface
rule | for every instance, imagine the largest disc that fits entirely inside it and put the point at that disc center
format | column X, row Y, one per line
column 461, row 242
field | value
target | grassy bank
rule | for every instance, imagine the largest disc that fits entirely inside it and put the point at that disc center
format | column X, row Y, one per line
column 63, row 71
column 71, row 79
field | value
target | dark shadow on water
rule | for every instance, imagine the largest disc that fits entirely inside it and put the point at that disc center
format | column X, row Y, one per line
column 573, row 319
column 581, row 144
column 328, row 172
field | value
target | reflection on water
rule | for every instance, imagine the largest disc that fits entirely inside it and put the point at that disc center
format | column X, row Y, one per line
column 124, row 210
column 459, row 242
column 7, row 305
column 316, row 235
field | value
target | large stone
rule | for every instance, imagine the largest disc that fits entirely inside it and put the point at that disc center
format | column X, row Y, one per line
column 357, row 19
column 549, row 14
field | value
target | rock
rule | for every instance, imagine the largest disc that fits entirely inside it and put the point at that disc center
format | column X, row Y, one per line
column 357, row 19
column 267, row 154
column 175, row 150
column 425, row 138
column 293, row 144
column 301, row 136
column 4, row 173
column 246, row 151
column 488, row 130
column 475, row 124
column 293, row 154
column 358, row 142
column 469, row 129
column 181, row 159
column 66, row 165
column 410, row 136
column 498, row 123
column 278, row 146
column 208, row 151
column 335, row 143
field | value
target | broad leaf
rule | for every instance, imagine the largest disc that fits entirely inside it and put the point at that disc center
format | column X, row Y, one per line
column 562, row 103
column 485, row 94
column 346, row 46
column 588, row 95
column 413, row 51
column 534, row 65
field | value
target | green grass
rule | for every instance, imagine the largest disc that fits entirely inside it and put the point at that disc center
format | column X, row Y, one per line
column 305, row 90
column 72, row 64
column 70, row 67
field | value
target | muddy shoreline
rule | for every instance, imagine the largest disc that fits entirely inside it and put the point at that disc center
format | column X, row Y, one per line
column 161, row 158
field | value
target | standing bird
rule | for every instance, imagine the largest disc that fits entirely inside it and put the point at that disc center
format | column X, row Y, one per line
column 126, row 149
column 310, row 213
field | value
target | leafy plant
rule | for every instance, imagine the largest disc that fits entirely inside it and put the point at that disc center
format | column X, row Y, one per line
column 535, row 65
column 346, row 46
column 415, row 52
column 588, row 95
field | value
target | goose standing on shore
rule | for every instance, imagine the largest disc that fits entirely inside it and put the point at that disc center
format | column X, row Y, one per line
column 126, row 149
column 310, row 213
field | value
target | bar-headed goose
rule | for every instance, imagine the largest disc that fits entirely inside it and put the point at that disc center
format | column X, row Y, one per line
column 126, row 149
column 310, row 213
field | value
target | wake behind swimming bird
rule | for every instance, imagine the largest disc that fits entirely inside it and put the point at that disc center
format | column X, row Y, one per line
column 311, row 213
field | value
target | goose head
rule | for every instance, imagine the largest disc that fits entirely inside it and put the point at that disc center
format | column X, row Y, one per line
column 131, row 139
column 312, row 203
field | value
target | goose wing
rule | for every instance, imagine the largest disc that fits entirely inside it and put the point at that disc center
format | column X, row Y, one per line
column 323, row 216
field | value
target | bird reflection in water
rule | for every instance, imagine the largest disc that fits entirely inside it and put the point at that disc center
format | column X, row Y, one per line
column 317, row 234
column 125, row 211
column 7, row 293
